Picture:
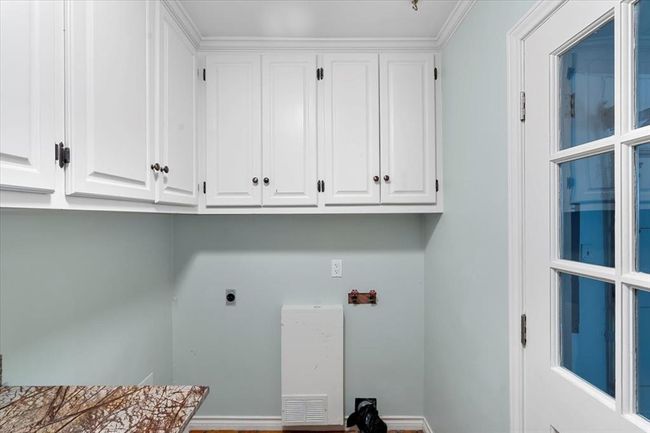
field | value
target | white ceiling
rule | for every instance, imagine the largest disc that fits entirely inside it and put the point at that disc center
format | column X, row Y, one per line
column 318, row 18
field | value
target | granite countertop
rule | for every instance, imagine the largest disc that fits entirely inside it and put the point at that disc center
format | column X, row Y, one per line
column 90, row 409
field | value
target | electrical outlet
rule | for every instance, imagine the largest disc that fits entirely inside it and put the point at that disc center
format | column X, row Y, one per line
column 231, row 297
column 337, row 268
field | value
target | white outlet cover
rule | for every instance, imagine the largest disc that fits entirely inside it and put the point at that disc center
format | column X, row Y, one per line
column 337, row 268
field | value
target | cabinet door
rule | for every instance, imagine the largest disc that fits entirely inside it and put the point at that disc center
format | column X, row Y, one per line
column 289, row 129
column 350, row 117
column 31, row 100
column 408, row 157
column 110, row 109
column 177, row 144
column 234, row 144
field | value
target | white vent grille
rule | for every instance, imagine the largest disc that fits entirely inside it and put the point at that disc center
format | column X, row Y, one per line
column 304, row 409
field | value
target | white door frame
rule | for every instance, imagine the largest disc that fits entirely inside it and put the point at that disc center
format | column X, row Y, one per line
column 536, row 16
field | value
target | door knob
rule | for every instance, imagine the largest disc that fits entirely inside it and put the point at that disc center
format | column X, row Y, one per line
column 155, row 167
column 386, row 178
column 255, row 181
column 165, row 169
column 375, row 178
column 266, row 181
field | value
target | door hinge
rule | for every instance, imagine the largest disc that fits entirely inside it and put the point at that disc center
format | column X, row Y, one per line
column 319, row 74
column 522, row 106
column 435, row 73
column 203, row 74
column 61, row 154
column 204, row 187
column 524, row 331
column 437, row 185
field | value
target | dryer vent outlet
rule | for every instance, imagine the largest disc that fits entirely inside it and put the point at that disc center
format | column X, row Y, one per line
column 359, row 400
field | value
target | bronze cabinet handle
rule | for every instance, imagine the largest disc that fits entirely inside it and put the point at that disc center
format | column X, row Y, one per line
column 386, row 178
column 165, row 169
column 266, row 181
column 255, row 181
column 155, row 167
column 375, row 178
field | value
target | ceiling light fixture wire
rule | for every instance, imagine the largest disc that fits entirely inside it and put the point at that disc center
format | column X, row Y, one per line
column 414, row 4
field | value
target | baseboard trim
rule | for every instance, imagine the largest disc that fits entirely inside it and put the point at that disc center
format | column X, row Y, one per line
column 274, row 423
column 426, row 427
column 404, row 422
column 210, row 422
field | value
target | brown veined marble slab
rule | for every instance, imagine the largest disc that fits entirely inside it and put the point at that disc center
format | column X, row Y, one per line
column 90, row 409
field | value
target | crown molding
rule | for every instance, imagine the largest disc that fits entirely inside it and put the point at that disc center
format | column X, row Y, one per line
column 453, row 21
column 208, row 44
column 321, row 44
column 183, row 19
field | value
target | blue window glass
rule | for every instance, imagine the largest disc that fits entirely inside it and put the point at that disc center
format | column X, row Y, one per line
column 642, row 36
column 587, row 330
column 587, row 210
column 642, row 161
column 587, row 89
column 643, row 352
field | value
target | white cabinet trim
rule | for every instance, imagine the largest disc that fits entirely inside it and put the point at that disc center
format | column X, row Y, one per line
column 168, row 187
column 277, row 138
column 231, row 136
column 82, row 177
column 342, row 136
column 40, row 45
column 399, row 169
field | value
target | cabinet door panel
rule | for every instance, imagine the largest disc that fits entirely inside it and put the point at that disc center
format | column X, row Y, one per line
column 289, row 130
column 234, row 144
column 110, row 105
column 407, row 128
column 177, row 75
column 350, row 106
column 31, row 40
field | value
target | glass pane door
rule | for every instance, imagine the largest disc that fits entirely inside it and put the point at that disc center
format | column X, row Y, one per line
column 587, row 219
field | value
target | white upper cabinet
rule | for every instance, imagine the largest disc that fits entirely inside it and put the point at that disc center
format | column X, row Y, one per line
column 31, row 37
column 177, row 178
column 110, row 98
column 408, row 158
column 350, row 128
column 122, row 86
column 289, row 130
column 233, row 136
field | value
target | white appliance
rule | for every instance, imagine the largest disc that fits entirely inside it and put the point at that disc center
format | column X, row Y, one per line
column 312, row 365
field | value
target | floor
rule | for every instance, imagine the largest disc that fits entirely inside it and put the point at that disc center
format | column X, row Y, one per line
column 291, row 431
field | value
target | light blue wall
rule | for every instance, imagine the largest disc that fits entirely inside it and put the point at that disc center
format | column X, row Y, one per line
column 466, row 294
column 85, row 298
column 273, row 260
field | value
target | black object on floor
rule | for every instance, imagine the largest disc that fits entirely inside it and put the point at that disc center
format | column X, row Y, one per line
column 366, row 417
